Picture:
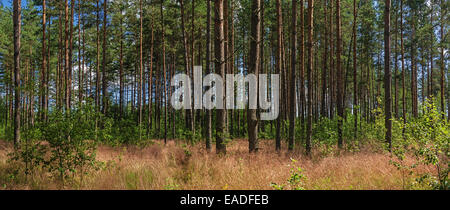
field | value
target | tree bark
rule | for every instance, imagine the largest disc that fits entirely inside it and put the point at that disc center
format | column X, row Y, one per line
column 355, row 72
column 278, row 66
column 387, row 72
column 220, row 69
column 17, row 7
column 141, row 69
column 98, row 76
column 150, row 81
column 208, row 71
column 104, row 79
column 339, row 100
column 44, row 66
column 121, row 97
column 442, row 64
column 188, row 114
column 291, row 140
column 255, row 44
column 164, row 71
column 69, row 82
column 309, row 70
column 325, row 64
column 403, row 67
column 66, row 55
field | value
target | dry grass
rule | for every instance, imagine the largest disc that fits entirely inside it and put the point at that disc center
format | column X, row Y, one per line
column 170, row 167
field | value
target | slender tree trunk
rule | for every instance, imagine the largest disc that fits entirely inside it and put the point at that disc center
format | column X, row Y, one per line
column 302, row 64
column 423, row 86
column 141, row 70
column 309, row 70
column 121, row 65
column 104, row 79
column 69, row 82
column 59, row 70
column 430, row 74
column 150, row 80
column 355, row 71
column 188, row 113
column 332, row 71
column 442, row 64
column 414, row 95
column 97, row 85
column 66, row 55
column 403, row 67
column 17, row 7
column 291, row 140
column 396, row 67
column 387, row 72
column 208, row 71
column 220, row 69
column 340, row 107
column 278, row 66
column 164, row 72
column 255, row 44
column 231, row 48
column 44, row 65
column 192, row 68
column 80, row 66
column 325, row 64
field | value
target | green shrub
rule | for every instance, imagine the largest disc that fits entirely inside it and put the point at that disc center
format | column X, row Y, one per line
column 427, row 138
column 295, row 180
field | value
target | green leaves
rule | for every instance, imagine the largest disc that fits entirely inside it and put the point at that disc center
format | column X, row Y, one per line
column 427, row 139
column 294, row 182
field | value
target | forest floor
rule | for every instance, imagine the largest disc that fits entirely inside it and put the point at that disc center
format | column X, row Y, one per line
column 176, row 166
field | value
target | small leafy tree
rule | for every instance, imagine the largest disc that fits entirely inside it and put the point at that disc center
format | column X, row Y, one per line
column 295, row 180
column 30, row 152
column 71, row 145
column 427, row 138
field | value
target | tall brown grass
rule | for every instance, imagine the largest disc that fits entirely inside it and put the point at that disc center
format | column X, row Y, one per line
column 174, row 166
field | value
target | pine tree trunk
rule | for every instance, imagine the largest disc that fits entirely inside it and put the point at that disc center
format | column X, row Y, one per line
column 332, row 71
column 387, row 72
column 192, row 69
column 44, row 65
column 208, row 71
column 141, row 70
column 442, row 65
column 150, row 80
column 302, row 65
column 69, row 82
column 17, row 7
column 220, row 69
column 254, row 66
column 188, row 113
column 339, row 100
column 278, row 66
column 325, row 64
column 104, row 79
column 97, row 85
column 355, row 71
column 80, row 57
column 291, row 139
column 309, row 72
column 403, row 67
column 121, row 88
column 164, row 72
column 66, row 55
column 396, row 67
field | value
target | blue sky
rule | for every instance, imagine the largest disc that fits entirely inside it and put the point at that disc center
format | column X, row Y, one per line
column 8, row 3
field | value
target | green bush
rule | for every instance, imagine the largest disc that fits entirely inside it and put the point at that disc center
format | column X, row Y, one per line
column 295, row 180
column 64, row 145
column 427, row 138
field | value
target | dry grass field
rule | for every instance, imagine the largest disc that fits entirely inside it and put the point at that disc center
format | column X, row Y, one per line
column 174, row 166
